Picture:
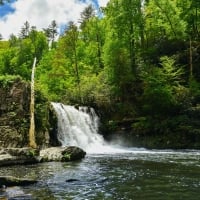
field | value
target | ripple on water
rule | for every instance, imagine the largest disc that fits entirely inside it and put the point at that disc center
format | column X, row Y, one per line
column 140, row 174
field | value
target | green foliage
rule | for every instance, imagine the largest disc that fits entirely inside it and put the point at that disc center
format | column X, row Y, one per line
column 31, row 153
column 93, row 34
column 53, row 79
column 191, row 13
column 95, row 89
column 51, row 33
column 164, row 19
column 7, row 80
column 66, row 157
column 194, row 87
column 101, row 61
column 124, row 39
column 18, row 59
column 118, row 68
column 112, row 125
column 143, row 125
column 161, row 85
column 113, row 60
column 3, row 45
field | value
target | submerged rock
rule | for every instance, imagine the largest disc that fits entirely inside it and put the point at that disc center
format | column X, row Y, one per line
column 71, row 180
column 14, row 181
column 14, row 193
column 64, row 154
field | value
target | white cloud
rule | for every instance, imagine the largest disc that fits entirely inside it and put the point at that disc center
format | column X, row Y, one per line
column 103, row 3
column 40, row 13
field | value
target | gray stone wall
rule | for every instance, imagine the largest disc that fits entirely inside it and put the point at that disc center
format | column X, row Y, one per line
column 14, row 113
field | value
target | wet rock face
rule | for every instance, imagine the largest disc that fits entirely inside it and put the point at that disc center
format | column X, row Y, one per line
column 14, row 113
column 53, row 139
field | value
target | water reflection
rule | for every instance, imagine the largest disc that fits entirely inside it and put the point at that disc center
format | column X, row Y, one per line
column 139, row 174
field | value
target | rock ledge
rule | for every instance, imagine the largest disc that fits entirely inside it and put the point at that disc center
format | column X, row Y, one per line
column 21, row 156
column 16, row 156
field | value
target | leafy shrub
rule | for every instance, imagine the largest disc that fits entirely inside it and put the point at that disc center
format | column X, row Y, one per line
column 6, row 80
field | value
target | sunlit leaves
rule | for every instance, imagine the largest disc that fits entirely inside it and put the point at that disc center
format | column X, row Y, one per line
column 163, row 17
column 161, row 86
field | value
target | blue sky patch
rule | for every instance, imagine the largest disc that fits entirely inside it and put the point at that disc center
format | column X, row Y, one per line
column 6, row 8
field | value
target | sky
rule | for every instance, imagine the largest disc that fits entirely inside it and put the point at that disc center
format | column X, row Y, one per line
column 41, row 13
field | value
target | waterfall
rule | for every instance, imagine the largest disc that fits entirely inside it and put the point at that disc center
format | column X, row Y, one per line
column 79, row 127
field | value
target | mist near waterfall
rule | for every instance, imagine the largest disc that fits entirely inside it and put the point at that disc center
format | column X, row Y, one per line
column 79, row 127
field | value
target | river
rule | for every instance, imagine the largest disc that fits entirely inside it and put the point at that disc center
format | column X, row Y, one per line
column 107, row 172
column 133, row 174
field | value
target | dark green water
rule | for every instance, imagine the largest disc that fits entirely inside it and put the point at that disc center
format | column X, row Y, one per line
column 135, row 175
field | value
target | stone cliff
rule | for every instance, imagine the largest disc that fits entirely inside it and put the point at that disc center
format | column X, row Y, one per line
column 14, row 114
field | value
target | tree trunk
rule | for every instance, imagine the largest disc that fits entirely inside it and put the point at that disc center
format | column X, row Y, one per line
column 32, row 104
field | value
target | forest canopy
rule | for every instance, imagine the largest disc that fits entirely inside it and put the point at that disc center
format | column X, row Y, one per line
column 138, row 57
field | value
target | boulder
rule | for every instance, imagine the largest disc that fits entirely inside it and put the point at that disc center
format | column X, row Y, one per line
column 63, row 154
column 16, row 156
column 72, row 153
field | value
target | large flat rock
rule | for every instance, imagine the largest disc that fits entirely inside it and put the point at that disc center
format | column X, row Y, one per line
column 21, row 156
column 18, row 156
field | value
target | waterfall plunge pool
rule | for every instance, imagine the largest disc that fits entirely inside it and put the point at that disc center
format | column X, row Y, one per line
column 107, row 172
column 136, row 174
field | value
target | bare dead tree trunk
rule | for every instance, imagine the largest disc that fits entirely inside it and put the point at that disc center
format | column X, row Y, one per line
column 32, row 142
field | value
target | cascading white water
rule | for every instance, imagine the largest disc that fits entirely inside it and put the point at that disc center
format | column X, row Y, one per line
column 79, row 127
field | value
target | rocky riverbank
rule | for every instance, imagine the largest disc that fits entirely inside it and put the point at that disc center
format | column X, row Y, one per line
column 10, row 185
column 26, row 155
